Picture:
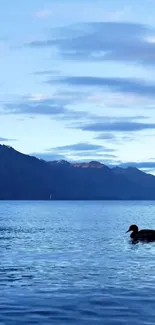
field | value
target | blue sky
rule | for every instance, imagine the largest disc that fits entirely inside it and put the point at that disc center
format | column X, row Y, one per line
column 77, row 79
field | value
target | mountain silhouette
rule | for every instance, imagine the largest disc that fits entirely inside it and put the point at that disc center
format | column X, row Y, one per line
column 24, row 177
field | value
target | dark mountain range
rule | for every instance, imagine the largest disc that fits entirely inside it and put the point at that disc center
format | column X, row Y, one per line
column 23, row 177
column 136, row 176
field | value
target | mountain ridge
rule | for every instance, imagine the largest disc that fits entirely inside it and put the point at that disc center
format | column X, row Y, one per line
column 26, row 177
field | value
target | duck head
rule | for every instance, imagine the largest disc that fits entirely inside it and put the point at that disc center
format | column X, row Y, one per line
column 133, row 228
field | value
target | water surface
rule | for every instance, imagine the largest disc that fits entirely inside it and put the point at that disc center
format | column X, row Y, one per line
column 72, row 263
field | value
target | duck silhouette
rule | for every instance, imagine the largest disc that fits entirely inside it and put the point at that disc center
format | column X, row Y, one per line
column 146, row 235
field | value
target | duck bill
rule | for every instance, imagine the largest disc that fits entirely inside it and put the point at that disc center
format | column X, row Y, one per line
column 128, row 230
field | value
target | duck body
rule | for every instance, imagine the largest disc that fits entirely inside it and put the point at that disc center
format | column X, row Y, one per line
column 147, row 235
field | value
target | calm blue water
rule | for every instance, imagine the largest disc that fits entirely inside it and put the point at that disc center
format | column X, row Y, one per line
column 72, row 263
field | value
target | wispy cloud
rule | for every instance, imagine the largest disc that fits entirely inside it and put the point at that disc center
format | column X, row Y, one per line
column 115, row 137
column 81, row 147
column 38, row 104
column 47, row 72
column 119, row 126
column 121, row 85
column 44, row 107
column 6, row 139
column 59, row 109
column 112, row 41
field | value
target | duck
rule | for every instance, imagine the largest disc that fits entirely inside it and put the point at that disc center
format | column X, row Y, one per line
column 141, row 235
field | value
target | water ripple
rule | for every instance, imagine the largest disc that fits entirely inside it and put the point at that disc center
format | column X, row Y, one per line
column 72, row 263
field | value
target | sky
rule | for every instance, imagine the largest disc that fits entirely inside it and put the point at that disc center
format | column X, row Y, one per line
column 77, row 80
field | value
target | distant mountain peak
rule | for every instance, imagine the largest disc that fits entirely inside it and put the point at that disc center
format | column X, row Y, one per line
column 4, row 148
column 90, row 164
column 63, row 162
column 58, row 162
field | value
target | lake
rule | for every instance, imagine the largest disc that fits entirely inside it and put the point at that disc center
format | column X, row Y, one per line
column 73, row 263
